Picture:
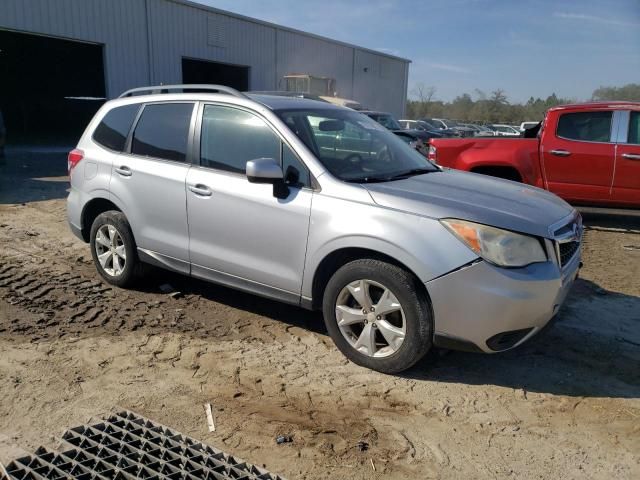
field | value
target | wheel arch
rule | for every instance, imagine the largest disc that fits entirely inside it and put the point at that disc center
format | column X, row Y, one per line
column 339, row 257
column 91, row 210
column 508, row 172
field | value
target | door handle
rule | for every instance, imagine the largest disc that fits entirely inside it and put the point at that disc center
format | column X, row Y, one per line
column 631, row 156
column 201, row 190
column 560, row 153
column 124, row 171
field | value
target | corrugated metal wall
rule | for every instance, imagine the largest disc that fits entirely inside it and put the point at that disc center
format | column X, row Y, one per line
column 145, row 40
column 117, row 24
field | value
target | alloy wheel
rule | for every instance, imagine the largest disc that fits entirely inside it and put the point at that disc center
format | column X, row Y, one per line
column 110, row 250
column 370, row 318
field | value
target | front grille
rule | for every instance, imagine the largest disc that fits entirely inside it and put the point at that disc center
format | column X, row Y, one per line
column 567, row 251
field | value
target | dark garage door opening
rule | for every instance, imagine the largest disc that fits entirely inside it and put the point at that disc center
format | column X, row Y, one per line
column 201, row 71
column 37, row 76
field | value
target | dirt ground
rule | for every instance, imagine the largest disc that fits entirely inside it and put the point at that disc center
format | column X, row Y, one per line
column 72, row 349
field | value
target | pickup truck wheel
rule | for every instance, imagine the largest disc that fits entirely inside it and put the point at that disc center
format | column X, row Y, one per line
column 378, row 316
column 113, row 249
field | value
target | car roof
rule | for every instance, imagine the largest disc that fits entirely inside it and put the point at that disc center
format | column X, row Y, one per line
column 373, row 112
column 276, row 102
column 612, row 105
column 270, row 101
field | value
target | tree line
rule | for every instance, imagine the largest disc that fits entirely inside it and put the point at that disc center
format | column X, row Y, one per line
column 496, row 108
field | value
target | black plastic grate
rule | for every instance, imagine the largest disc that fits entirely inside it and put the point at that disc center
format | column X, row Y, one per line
column 127, row 446
column 567, row 251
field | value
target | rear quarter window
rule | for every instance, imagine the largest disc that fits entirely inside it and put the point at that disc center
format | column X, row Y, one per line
column 585, row 126
column 113, row 129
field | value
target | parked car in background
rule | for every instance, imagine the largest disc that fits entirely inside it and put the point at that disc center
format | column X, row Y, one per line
column 427, row 127
column 478, row 130
column 485, row 131
column 320, row 206
column 415, row 125
column 588, row 154
column 473, row 128
column 502, row 130
column 417, row 138
column 438, row 127
column 527, row 125
column 444, row 124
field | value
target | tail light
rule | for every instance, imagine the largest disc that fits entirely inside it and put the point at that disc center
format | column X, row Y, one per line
column 432, row 156
column 74, row 158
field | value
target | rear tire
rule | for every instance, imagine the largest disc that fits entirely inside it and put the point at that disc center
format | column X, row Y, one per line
column 113, row 249
column 378, row 315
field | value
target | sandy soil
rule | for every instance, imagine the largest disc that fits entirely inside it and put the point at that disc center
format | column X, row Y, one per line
column 73, row 348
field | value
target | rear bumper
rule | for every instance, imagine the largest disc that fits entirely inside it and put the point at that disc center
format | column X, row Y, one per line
column 495, row 309
column 74, row 212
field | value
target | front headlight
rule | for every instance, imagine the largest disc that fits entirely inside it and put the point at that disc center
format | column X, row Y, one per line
column 500, row 247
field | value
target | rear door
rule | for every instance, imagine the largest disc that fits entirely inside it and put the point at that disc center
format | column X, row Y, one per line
column 578, row 156
column 626, row 180
column 149, row 181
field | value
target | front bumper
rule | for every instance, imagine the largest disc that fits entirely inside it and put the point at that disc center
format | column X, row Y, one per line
column 485, row 306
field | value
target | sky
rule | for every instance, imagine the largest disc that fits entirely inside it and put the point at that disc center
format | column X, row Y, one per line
column 527, row 48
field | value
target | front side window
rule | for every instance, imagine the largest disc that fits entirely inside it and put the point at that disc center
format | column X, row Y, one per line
column 162, row 131
column 585, row 126
column 354, row 147
column 231, row 137
column 634, row 128
column 113, row 129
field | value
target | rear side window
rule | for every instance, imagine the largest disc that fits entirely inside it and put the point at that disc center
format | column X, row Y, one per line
column 162, row 131
column 113, row 129
column 585, row 126
column 231, row 137
column 634, row 128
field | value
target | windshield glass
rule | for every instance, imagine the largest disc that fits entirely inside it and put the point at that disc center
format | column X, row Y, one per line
column 354, row 147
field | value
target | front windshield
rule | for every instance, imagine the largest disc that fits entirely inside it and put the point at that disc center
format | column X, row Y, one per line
column 354, row 147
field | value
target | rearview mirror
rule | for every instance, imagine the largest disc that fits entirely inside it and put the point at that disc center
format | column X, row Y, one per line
column 331, row 126
column 264, row 170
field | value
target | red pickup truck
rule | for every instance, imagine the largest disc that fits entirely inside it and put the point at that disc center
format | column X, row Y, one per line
column 588, row 154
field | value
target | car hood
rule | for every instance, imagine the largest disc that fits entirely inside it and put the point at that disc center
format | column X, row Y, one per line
column 474, row 197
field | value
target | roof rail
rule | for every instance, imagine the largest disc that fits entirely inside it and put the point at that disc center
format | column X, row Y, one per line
column 197, row 87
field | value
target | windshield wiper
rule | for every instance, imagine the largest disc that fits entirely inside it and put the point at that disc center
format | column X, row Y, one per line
column 371, row 179
column 412, row 172
column 389, row 178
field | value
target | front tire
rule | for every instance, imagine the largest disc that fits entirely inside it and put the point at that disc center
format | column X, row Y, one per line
column 113, row 248
column 378, row 315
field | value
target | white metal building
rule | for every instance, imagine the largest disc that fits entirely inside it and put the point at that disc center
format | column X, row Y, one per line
column 93, row 48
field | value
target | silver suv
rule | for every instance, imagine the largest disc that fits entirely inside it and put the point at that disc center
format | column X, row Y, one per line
column 320, row 206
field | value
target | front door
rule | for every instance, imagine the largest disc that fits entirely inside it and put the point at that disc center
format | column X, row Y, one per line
column 578, row 157
column 239, row 232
